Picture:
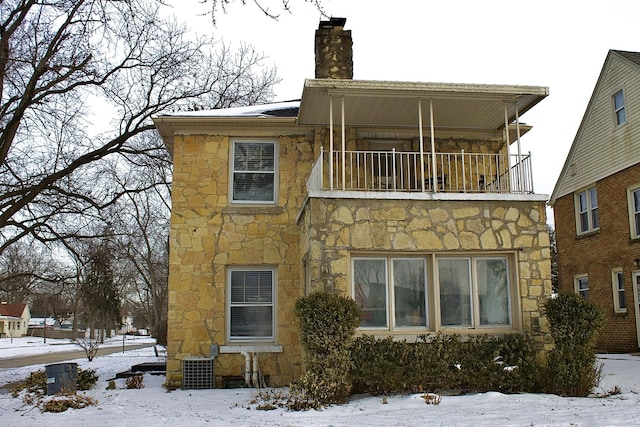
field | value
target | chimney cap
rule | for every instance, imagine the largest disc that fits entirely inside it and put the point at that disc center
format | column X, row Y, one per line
column 332, row 23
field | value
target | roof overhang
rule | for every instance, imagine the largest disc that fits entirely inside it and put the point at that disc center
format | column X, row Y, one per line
column 395, row 104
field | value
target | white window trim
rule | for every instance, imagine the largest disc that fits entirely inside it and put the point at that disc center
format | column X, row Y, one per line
column 633, row 225
column 274, row 284
column 624, row 107
column 576, row 284
column 276, row 173
column 576, row 203
column 617, row 273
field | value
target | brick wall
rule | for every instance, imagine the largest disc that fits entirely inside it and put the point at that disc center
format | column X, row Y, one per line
column 597, row 253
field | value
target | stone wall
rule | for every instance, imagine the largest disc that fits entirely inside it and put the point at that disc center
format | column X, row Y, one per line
column 208, row 236
column 333, row 229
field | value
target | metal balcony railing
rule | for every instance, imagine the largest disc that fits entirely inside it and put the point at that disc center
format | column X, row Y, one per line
column 415, row 172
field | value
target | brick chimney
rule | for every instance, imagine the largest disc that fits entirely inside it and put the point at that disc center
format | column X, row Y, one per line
column 334, row 50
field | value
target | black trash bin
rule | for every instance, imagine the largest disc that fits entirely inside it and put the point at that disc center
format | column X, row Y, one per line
column 61, row 377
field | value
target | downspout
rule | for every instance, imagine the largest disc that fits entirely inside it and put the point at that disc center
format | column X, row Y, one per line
column 254, row 374
column 247, row 368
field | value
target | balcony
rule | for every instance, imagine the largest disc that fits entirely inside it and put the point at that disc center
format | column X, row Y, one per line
column 414, row 172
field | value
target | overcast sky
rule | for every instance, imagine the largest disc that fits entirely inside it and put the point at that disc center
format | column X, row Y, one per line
column 560, row 44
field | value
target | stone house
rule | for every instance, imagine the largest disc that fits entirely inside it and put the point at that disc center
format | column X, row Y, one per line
column 413, row 198
column 14, row 320
column 596, row 203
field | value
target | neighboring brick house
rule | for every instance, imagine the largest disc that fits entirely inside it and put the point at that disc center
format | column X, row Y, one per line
column 409, row 197
column 14, row 320
column 596, row 203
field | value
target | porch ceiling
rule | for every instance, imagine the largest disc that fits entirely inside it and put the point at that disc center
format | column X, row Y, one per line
column 395, row 104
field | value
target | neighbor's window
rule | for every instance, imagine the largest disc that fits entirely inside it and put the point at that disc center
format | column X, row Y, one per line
column 251, row 304
column 619, row 108
column 587, row 211
column 617, row 281
column 581, row 285
column 391, row 292
column 634, row 212
column 254, row 172
column 474, row 291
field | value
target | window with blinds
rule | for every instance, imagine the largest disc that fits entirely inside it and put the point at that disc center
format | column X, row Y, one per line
column 253, row 171
column 251, row 307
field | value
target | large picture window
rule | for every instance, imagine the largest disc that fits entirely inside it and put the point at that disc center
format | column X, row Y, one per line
column 251, row 304
column 587, row 211
column 391, row 292
column 254, row 172
column 394, row 292
column 474, row 292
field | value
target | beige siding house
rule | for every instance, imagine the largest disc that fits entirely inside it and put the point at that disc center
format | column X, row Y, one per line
column 14, row 320
column 596, row 203
column 412, row 198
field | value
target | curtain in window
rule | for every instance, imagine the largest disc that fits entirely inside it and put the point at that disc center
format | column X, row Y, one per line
column 493, row 291
column 455, row 292
column 370, row 283
column 409, row 286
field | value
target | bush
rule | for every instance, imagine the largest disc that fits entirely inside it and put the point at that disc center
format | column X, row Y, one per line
column 134, row 382
column 36, row 382
column 571, row 365
column 86, row 379
column 444, row 362
column 326, row 324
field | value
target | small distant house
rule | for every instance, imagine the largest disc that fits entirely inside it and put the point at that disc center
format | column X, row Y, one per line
column 596, row 204
column 14, row 320
column 413, row 198
column 40, row 322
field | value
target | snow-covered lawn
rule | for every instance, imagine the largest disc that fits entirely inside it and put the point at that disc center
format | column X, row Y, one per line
column 153, row 405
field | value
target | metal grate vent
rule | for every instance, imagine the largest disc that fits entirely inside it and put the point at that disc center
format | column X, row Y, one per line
column 197, row 372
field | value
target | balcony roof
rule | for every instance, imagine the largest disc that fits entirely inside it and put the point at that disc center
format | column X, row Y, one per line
column 395, row 104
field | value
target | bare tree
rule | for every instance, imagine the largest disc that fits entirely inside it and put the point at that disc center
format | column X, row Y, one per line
column 270, row 8
column 79, row 82
column 26, row 270
column 141, row 224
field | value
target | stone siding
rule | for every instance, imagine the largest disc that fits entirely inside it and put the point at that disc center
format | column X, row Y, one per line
column 208, row 236
column 334, row 229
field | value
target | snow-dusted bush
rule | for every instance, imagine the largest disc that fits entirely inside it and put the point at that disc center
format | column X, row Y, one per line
column 326, row 323
column 444, row 362
column 574, row 323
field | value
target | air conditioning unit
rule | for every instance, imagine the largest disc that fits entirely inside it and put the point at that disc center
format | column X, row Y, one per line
column 197, row 372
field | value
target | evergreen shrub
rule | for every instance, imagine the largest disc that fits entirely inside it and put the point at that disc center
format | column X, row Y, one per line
column 327, row 323
column 574, row 323
column 444, row 362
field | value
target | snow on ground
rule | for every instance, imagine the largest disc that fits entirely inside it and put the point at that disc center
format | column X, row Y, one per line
column 153, row 405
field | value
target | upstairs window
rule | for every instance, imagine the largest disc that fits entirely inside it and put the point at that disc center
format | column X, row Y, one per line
column 587, row 211
column 617, row 281
column 619, row 108
column 253, row 172
column 634, row 212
